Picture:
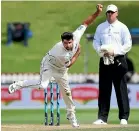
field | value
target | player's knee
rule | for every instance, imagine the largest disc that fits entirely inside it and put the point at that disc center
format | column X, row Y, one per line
column 68, row 92
column 44, row 84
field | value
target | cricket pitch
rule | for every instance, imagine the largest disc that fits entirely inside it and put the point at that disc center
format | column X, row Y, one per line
column 33, row 127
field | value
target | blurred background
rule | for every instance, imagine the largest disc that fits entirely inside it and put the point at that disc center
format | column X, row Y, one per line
column 30, row 29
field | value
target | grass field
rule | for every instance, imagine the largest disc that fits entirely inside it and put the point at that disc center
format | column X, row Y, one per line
column 33, row 120
column 50, row 19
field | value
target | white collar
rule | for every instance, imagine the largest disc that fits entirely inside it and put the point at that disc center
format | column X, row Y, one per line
column 113, row 24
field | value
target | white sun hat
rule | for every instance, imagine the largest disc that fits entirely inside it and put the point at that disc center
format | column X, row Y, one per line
column 112, row 8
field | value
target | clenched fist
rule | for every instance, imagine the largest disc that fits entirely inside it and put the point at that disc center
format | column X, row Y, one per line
column 99, row 8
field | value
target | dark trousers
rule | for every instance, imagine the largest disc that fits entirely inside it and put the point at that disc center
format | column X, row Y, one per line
column 108, row 74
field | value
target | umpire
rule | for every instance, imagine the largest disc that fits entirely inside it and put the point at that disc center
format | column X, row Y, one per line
column 112, row 41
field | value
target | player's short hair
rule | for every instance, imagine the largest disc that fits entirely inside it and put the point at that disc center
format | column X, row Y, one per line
column 66, row 36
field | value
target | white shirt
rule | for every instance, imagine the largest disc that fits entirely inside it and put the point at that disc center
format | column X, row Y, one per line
column 58, row 55
column 116, row 34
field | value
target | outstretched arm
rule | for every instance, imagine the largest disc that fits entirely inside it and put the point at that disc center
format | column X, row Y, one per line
column 92, row 17
column 81, row 29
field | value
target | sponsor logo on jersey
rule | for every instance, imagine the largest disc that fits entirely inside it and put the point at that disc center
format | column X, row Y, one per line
column 80, row 27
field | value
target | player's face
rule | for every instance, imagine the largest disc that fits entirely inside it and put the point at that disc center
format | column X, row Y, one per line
column 111, row 16
column 68, row 44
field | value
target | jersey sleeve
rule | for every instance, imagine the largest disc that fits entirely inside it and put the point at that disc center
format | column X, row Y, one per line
column 79, row 32
column 97, row 41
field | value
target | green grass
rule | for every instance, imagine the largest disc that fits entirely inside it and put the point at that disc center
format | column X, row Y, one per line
column 85, row 116
column 50, row 19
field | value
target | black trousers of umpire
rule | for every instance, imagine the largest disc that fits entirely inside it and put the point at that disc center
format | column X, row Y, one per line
column 108, row 74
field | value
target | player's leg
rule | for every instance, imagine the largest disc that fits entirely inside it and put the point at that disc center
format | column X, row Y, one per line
column 120, row 84
column 67, row 97
column 105, row 89
column 42, row 82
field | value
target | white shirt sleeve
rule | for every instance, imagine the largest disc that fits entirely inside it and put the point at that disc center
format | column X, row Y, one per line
column 97, row 41
column 79, row 32
column 126, row 40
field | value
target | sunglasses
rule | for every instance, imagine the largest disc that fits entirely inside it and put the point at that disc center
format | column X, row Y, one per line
column 110, row 12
